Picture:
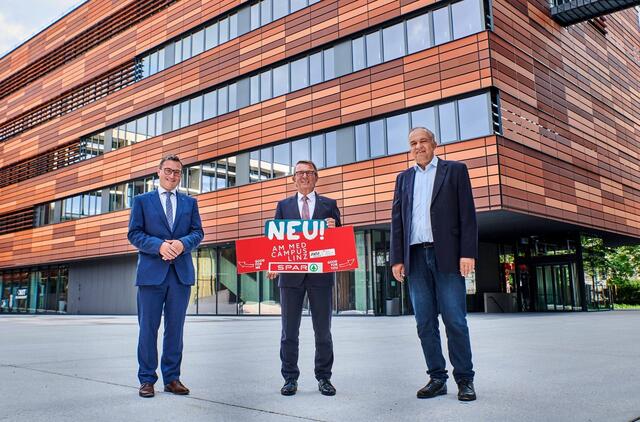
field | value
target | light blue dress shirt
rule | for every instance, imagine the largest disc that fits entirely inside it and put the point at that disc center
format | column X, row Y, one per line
column 421, row 211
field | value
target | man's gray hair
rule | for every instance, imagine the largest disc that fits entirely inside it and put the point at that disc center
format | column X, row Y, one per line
column 429, row 133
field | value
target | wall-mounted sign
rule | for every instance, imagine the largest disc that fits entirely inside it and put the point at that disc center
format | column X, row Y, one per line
column 298, row 246
column 21, row 293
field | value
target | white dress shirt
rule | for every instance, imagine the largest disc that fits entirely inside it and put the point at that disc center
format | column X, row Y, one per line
column 421, row 212
column 163, row 201
column 311, row 201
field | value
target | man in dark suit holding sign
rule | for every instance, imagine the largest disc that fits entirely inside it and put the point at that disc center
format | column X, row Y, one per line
column 306, row 204
column 434, row 243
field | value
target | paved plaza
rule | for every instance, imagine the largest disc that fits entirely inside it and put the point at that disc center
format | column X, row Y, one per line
column 529, row 367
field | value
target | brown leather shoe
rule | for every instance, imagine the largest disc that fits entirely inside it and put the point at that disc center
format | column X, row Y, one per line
column 176, row 387
column 146, row 390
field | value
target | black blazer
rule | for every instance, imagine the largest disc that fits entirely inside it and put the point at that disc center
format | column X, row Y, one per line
column 287, row 209
column 453, row 217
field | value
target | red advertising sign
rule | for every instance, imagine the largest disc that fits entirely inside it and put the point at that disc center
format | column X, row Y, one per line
column 302, row 249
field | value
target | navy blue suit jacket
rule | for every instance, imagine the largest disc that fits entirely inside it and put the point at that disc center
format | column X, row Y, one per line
column 148, row 229
column 453, row 217
column 287, row 209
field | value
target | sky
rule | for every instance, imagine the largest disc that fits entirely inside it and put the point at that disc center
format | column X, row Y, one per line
column 21, row 19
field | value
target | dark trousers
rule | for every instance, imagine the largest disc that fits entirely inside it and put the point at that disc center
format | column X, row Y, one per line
column 173, row 297
column 431, row 292
column 320, row 303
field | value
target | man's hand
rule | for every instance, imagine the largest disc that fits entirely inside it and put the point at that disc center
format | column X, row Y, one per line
column 331, row 222
column 271, row 275
column 467, row 266
column 398, row 272
column 176, row 246
column 167, row 252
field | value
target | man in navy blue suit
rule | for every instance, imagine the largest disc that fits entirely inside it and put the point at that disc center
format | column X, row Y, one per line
column 306, row 204
column 165, row 227
column 434, row 242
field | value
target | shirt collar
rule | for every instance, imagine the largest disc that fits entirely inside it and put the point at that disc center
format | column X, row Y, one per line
column 433, row 163
column 162, row 190
column 311, row 196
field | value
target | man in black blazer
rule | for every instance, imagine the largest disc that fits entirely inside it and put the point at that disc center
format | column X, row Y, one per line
column 306, row 204
column 434, row 242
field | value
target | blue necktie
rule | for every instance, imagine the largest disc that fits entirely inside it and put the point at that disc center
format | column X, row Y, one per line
column 169, row 209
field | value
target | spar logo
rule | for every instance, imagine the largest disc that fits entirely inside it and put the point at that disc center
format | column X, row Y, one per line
column 295, row 267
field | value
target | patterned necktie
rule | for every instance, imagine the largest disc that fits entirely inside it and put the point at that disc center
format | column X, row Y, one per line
column 169, row 209
column 305, row 208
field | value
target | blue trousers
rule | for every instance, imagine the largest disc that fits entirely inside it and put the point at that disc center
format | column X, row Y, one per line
column 172, row 297
column 320, row 304
column 433, row 292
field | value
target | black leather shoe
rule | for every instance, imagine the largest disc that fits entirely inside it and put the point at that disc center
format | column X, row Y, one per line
column 466, row 392
column 435, row 387
column 289, row 388
column 326, row 388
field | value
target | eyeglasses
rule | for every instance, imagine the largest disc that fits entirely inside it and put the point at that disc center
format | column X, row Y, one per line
column 169, row 172
column 307, row 173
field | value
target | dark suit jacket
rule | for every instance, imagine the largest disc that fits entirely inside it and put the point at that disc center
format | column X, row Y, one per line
column 287, row 209
column 148, row 229
column 453, row 217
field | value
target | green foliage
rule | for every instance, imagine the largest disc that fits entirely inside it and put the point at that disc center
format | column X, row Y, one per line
column 628, row 292
column 625, row 306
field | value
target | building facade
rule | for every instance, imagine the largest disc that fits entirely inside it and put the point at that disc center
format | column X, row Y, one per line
column 546, row 118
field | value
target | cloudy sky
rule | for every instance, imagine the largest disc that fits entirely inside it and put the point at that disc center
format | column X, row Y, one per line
column 21, row 19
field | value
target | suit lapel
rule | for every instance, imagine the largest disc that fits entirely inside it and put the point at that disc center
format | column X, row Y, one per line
column 293, row 205
column 155, row 199
column 410, row 180
column 179, row 209
column 319, row 209
column 441, row 173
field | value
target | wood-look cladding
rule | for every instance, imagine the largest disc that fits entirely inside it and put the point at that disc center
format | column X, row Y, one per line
column 570, row 102
column 305, row 29
column 363, row 190
column 455, row 68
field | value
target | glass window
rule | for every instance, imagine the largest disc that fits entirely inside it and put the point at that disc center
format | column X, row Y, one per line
column 393, row 41
column 255, row 16
column 233, row 26
column 397, row 134
column 151, row 124
column 208, row 177
column 223, row 100
column 362, row 142
column 131, row 132
column 376, row 138
column 184, row 114
column 227, row 283
column 280, row 80
column 280, row 8
column 281, row 160
column 210, row 105
column 329, row 64
column 255, row 89
column 300, row 74
column 233, row 96
column 145, row 66
column 359, row 59
column 266, row 163
column 223, row 26
column 153, row 63
column 418, row 33
column 177, row 52
column 317, row 150
column 474, row 116
column 425, row 118
column 196, row 110
column 141, row 129
column 315, row 67
column 161, row 55
column 159, row 129
column 211, row 36
column 265, row 12
column 374, row 52
column 254, row 166
column 331, row 148
column 297, row 5
column 198, row 42
column 441, row 28
column 448, row 130
column 186, row 48
column 265, row 85
column 467, row 18
column 299, row 150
